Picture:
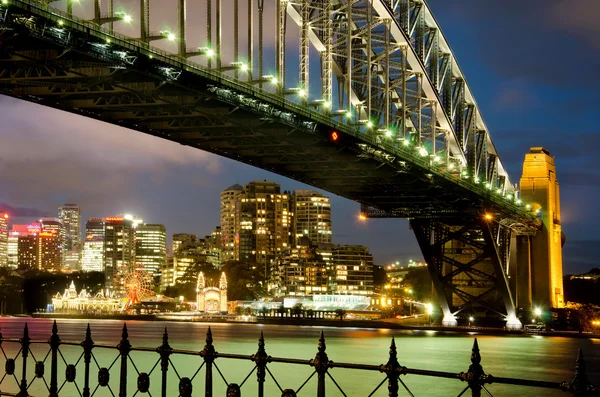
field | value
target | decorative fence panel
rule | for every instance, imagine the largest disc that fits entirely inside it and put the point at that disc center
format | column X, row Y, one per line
column 81, row 373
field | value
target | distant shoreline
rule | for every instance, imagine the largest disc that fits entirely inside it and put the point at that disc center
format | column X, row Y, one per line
column 366, row 324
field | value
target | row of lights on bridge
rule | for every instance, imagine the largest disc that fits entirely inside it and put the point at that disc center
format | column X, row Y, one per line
column 302, row 93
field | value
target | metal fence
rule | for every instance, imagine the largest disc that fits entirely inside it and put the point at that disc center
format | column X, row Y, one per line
column 476, row 380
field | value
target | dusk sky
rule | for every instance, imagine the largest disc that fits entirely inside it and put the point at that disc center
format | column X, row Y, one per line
column 531, row 65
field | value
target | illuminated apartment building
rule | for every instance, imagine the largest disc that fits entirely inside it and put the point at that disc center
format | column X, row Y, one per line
column 312, row 217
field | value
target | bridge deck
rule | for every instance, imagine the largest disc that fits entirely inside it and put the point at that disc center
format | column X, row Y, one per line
column 76, row 66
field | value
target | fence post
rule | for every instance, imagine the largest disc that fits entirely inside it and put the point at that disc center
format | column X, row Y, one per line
column 580, row 385
column 208, row 353
column 261, row 359
column 25, row 342
column 88, row 345
column 124, row 348
column 321, row 364
column 165, row 351
column 54, row 343
column 475, row 375
column 393, row 370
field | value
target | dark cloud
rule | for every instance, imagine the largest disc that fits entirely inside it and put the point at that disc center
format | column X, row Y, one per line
column 22, row 211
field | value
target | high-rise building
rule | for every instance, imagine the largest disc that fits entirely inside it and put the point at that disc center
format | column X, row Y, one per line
column 28, row 252
column 229, row 237
column 92, row 258
column 13, row 250
column 70, row 217
column 94, row 227
column 263, row 223
column 300, row 270
column 50, row 253
column 50, row 244
column 351, row 270
column 150, row 247
column 181, row 239
column 119, row 251
column 93, row 254
column 3, row 239
column 312, row 217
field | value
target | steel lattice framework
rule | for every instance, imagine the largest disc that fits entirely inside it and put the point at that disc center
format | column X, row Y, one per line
column 409, row 139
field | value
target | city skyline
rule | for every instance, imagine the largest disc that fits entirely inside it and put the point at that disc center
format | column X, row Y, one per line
column 519, row 99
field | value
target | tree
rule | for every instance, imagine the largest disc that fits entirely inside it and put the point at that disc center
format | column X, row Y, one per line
column 297, row 310
column 245, row 280
column 419, row 280
column 263, row 311
column 281, row 311
column 186, row 284
column 310, row 313
column 341, row 313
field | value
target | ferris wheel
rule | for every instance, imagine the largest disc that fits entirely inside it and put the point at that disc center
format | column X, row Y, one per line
column 137, row 287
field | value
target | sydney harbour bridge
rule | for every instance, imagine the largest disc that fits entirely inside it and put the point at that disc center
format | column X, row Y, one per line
column 361, row 98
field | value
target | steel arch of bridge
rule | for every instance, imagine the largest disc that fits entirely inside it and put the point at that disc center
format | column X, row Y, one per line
column 414, row 146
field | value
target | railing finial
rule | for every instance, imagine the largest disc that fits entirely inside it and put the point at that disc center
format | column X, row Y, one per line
column 580, row 385
column 124, row 334
column 475, row 355
column 209, row 338
column 322, row 345
column 393, row 351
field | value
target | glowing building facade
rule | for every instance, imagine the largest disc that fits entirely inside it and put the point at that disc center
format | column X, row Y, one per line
column 3, row 239
column 150, row 247
column 119, row 251
column 229, row 236
column 312, row 217
column 70, row 218
column 263, row 223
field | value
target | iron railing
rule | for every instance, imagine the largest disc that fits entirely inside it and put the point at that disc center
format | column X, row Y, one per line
column 477, row 381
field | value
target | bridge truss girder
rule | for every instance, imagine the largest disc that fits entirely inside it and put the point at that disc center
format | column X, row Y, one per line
column 468, row 261
column 394, row 69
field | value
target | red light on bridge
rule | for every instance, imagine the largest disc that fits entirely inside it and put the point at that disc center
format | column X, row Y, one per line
column 335, row 136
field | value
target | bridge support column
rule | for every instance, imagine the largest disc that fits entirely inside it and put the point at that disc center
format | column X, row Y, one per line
column 467, row 260
column 539, row 187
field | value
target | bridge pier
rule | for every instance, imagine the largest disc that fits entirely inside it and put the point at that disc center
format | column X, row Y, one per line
column 467, row 260
column 540, row 187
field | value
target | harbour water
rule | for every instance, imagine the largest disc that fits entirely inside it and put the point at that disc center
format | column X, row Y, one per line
column 529, row 357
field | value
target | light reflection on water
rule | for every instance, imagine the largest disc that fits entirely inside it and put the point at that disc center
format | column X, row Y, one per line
column 541, row 358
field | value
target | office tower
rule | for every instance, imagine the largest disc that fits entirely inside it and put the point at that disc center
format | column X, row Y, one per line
column 150, row 247
column 263, row 223
column 50, row 253
column 181, row 239
column 92, row 257
column 13, row 249
column 94, row 227
column 119, row 251
column 3, row 239
column 28, row 252
column 351, row 270
column 229, row 201
column 312, row 217
column 70, row 218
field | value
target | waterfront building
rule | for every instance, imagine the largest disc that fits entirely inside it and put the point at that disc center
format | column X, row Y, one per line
column 263, row 223
column 70, row 217
column 351, row 270
column 119, row 251
column 299, row 271
column 210, row 298
column 229, row 237
column 312, row 217
column 83, row 302
column 150, row 247
column 180, row 239
column 3, row 239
